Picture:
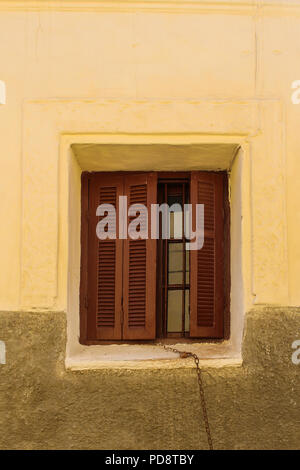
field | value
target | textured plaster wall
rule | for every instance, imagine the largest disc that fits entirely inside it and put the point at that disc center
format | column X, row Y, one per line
column 126, row 73
column 42, row 405
column 55, row 52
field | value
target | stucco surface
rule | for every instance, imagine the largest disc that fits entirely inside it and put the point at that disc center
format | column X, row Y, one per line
column 42, row 405
column 212, row 50
column 215, row 72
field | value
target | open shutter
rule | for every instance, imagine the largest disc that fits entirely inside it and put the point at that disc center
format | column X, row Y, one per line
column 207, row 264
column 104, row 262
column 139, row 272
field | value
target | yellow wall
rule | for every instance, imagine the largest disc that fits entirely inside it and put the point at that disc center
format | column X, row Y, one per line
column 104, row 85
column 146, row 68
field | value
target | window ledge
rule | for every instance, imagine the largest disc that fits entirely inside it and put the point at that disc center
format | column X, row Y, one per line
column 127, row 356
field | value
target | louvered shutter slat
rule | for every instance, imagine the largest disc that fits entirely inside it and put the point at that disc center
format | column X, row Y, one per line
column 139, row 274
column 207, row 264
column 105, row 256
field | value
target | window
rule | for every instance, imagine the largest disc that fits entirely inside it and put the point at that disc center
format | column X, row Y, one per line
column 146, row 288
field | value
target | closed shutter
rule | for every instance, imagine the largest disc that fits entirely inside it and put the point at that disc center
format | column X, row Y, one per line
column 139, row 272
column 207, row 264
column 104, row 263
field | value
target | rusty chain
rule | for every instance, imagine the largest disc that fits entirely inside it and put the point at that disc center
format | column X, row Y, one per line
column 183, row 355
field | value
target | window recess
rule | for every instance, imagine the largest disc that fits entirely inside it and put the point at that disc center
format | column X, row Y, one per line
column 148, row 289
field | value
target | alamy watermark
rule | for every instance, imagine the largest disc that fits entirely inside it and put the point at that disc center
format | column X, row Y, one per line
column 296, row 94
column 138, row 227
column 296, row 353
column 2, row 353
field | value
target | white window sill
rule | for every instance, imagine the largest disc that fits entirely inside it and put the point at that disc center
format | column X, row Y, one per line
column 144, row 356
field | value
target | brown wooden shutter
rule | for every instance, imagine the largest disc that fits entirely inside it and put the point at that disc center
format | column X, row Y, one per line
column 139, row 273
column 207, row 264
column 104, row 263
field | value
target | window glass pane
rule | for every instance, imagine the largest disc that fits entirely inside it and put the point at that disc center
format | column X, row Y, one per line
column 175, row 263
column 174, row 311
column 176, row 224
column 175, row 216
column 187, row 267
column 187, row 310
column 175, row 272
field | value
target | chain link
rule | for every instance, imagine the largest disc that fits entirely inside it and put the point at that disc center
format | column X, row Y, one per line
column 184, row 355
